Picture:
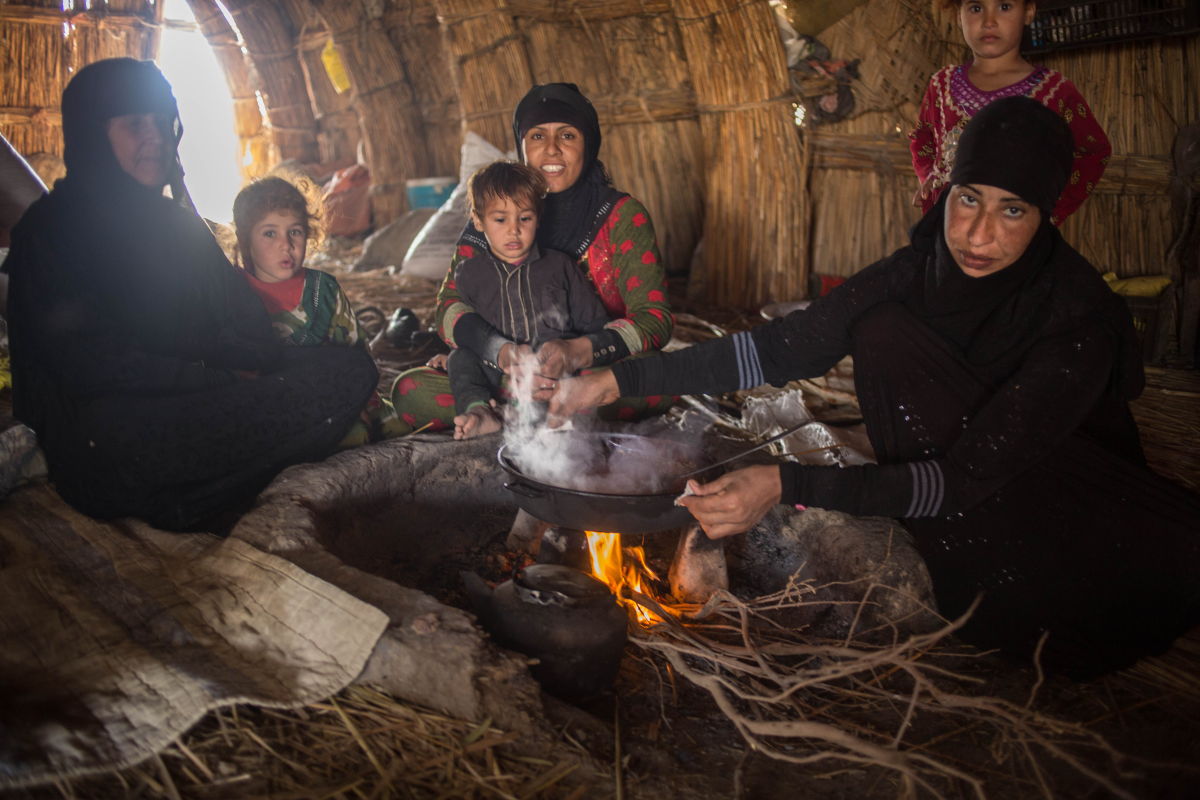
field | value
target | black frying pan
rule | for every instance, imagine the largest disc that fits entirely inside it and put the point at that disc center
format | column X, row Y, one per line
column 604, row 511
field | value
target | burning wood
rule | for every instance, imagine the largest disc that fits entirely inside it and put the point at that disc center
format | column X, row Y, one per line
column 624, row 570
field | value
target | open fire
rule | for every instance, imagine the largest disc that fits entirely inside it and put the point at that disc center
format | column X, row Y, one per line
column 621, row 568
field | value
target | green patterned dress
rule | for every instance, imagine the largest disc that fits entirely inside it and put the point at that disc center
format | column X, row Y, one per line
column 311, row 310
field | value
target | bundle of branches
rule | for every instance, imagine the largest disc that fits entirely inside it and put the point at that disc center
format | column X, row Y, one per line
column 857, row 702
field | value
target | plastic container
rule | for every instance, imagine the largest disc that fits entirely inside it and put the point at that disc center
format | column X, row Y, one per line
column 429, row 192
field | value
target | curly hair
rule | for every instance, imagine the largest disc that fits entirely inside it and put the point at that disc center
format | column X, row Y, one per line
column 262, row 197
column 510, row 179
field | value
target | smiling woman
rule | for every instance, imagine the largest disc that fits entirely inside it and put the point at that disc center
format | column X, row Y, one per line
column 607, row 233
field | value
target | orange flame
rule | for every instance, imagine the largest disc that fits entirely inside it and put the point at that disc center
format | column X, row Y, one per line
column 620, row 567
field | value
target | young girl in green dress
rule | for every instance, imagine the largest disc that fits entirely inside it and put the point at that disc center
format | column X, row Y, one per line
column 307, row 307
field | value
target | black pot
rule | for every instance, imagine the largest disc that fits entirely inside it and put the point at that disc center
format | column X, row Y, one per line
column 570, row 622
column 602, row 511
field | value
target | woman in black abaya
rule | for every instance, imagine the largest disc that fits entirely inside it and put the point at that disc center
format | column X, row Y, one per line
column 994, row 369
column 141, row 358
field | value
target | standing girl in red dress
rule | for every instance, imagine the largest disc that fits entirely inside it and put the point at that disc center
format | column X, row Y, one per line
column 992, row 29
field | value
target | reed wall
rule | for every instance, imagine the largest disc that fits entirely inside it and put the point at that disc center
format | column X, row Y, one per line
column 693, row 98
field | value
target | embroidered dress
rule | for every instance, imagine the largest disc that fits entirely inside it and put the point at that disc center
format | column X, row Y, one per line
column 951, row 100
column 311, row 309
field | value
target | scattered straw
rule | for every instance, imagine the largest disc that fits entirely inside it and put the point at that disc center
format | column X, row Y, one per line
column 361, row 744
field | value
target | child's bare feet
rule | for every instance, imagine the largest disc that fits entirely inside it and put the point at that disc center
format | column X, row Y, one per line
column 479, row 421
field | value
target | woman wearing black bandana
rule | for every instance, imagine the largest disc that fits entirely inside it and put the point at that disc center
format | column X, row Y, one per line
column 607, row 232
column 141, row 358
column 994, row 370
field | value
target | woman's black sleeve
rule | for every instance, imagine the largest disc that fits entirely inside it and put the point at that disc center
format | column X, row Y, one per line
column 803, row 344
column 71, row 338
column 1024, row 422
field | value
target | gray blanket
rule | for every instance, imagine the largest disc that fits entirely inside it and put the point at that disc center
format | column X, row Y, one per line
column 116, row 638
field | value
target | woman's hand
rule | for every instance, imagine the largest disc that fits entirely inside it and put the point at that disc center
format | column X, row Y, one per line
column 577, row 394
column 560, row 358
column 734, row 502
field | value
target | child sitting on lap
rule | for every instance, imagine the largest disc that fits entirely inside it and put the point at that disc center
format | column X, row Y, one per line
column 529, row 295
column 306, row 306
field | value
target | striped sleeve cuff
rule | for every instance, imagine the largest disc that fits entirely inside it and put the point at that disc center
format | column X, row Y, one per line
column 750, row 372
column 928, row 489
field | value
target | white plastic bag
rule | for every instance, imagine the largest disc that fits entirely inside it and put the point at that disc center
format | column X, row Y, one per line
column 430, row 253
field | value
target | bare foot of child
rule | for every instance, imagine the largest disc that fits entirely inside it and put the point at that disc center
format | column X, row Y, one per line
column 479, row 421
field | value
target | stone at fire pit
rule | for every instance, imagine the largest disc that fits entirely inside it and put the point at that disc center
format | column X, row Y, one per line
column 408, row 501
column 866, row 572
column 698, row 569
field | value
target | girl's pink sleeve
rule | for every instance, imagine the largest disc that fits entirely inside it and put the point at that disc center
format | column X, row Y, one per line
column 1092, row 150
column 922, row 142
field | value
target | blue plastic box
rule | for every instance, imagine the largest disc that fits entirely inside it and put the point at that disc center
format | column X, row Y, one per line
column 429, row 192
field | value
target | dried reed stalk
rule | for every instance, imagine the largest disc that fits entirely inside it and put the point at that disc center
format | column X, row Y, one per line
column 756, row 206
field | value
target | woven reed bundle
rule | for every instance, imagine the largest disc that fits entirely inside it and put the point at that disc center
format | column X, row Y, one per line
column 248, row 122
column 44, row 46
column 859, row 216
column 489, row 65
column 633, row 70
column 756, row 206
column 1140, row 92
column 395, row 145
column 414, row 31
column 587, row 10
column 269, row 38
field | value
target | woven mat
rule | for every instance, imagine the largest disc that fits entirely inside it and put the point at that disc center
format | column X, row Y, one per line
column 116, row 638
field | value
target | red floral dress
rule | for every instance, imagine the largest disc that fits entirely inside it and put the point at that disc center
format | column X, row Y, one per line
column 951, row 100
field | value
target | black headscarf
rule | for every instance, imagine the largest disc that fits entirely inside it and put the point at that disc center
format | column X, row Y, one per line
column 1019, row 145
column 112, row 88
column 573, row 216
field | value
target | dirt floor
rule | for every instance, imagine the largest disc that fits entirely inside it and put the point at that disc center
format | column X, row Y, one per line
column 660, row 734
